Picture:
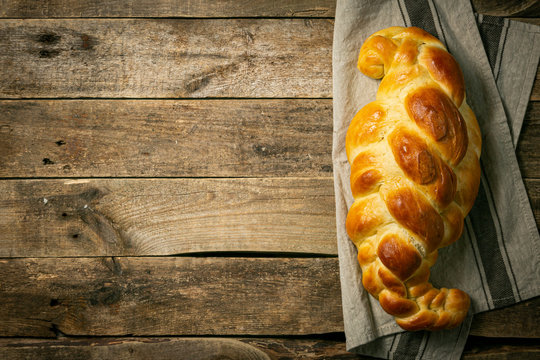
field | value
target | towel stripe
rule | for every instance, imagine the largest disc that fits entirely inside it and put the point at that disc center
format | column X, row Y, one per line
column 438, row 24
column 425, row 342
column 409, row 345
column 483, row 225
column 500, row 235
column 469, row 234
column 420, row 15
column 491, row 282
column 484, row 221
column 391, row 348
column 494, row 40
column 490, row 28
column 483, row 231
column 406, row 20
column 502, row 49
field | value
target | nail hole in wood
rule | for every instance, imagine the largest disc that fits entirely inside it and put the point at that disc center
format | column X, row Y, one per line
column 46, row 54
column 48, row 38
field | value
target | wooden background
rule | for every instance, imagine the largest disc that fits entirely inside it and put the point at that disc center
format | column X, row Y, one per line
column 166, row 183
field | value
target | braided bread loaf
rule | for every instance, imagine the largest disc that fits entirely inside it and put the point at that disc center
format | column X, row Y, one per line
column 415, row 173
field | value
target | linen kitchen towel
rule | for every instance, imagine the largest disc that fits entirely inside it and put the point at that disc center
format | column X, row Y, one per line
column 497, row 259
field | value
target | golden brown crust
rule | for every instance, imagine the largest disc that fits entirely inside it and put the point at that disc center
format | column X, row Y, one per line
column 379, row 47
column 453, row 216
column 368, row 126
column 413, row 156
column 410, row 209
column 441, row 120
column 414, row 175
column 391, row 282
column 366, row 174
column 397, row 305
column 399, row 256
column 444, row 69
column 365, row 217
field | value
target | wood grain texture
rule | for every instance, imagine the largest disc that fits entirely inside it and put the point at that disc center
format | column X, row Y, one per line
column 164, row 138
column 484, row 348
column 167, row 58
column 193, row 296
column 210, row 8
column 172, row 348
column 535, row 92
column 505, row 353
column 166, row 8
column 120, row 217
column 91, row 217
column 520, row 320
column 169, row 296
column 535, row 21
column 529, row 8
column 178, row 138
column 217, row 348
column 533, row 190
column 130, row 348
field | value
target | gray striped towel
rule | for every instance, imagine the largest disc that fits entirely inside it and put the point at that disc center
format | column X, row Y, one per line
column 497, row 259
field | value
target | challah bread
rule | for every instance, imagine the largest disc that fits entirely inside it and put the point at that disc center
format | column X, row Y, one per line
column 415, row 172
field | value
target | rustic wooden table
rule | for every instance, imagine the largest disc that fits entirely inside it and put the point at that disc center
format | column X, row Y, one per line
column 166, row 183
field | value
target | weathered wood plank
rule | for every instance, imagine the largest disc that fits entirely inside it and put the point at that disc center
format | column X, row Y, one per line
column 484, row 348
column 169, row 296
column 169, row 58
column 527, row 151
column 130, row 348
column 505, row 353
column 535, row 21
column 530, row 8
column 166, row 8
column 226, row 348
column 164, row 138
column 520, row 320
column 209, row 8
column 134, row 58
column 119, row 217
column 171, row 348
column 335, row 349
column 193, row 296
column 92, row 217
